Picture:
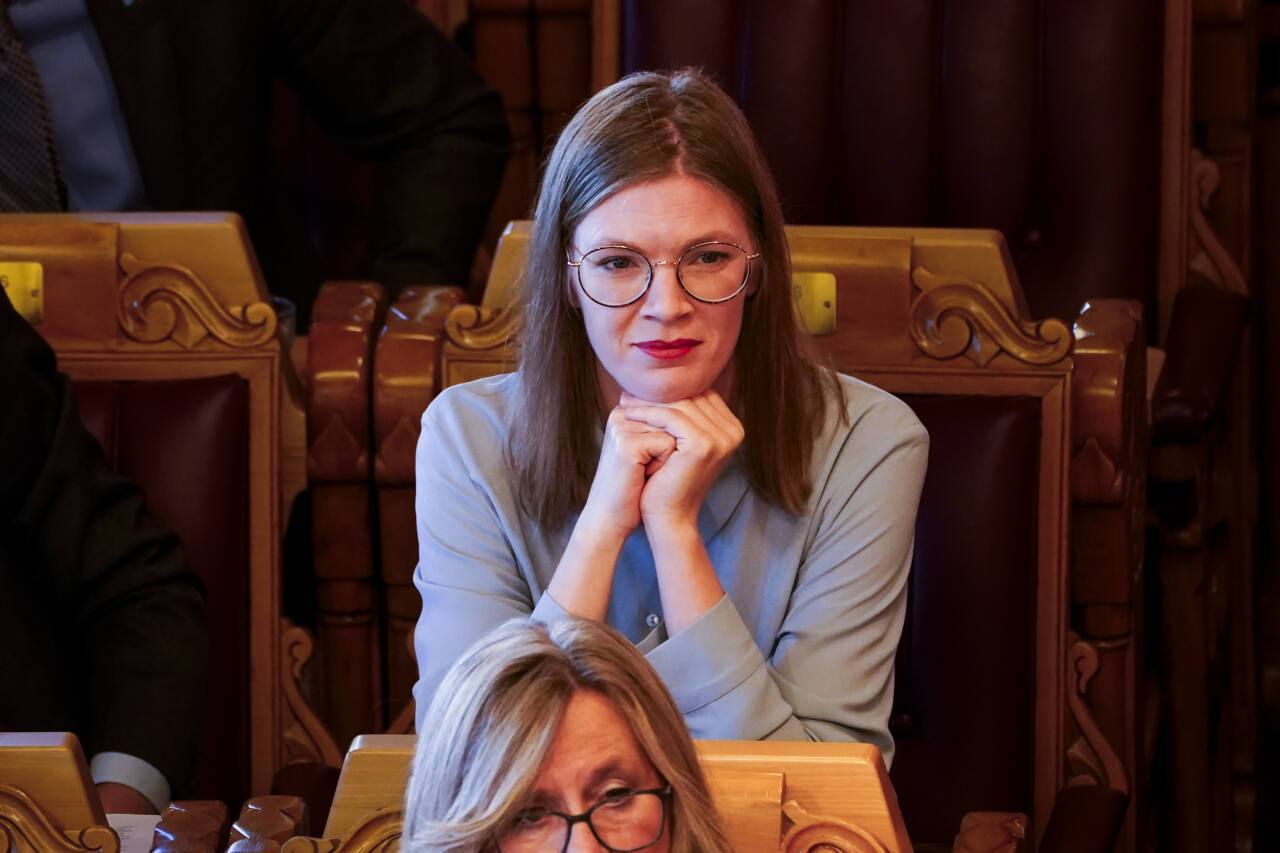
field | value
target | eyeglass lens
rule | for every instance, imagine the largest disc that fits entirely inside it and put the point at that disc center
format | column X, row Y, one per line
column 623, row 824
column 711, row 272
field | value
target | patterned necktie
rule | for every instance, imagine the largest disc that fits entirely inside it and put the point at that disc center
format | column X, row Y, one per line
column 29, row 178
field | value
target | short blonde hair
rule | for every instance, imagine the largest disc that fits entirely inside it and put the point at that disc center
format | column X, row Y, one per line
column 493, row 720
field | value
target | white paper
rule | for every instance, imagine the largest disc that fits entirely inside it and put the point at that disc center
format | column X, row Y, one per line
column 135, row 831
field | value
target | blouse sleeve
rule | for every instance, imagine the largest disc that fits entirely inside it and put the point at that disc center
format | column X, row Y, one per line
column 829, row 674
column 467, row 574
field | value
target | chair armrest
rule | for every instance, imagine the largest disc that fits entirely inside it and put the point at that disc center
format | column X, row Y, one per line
column 191, row 826
column 407, row 376
column 1204, row 336
column 1085, row 819
column 339, row 350
column 266, row 823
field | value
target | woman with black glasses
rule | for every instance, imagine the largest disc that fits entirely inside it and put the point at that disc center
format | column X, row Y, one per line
column 666, row 458
column 548, row 739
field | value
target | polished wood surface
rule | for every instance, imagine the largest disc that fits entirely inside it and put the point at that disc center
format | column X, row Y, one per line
column 837, row 794
column 47, row 801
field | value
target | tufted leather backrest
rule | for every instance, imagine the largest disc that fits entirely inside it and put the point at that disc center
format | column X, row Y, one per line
column 965, row 674
column 185, row 443
column 1039, row 118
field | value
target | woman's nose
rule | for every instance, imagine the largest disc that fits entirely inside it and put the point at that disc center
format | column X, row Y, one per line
column 583, row 840
column 666, row 299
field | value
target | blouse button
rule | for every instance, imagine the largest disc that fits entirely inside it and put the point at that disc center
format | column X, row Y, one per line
column 652, row 620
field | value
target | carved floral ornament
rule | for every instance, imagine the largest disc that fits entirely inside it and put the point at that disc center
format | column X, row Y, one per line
column 164, row 301
column 475, row 328
column 954, row 316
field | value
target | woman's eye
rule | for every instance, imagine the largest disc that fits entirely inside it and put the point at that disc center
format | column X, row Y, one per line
column 615, row 794
column 616, row 263
column 710, row 258
column 530, row 818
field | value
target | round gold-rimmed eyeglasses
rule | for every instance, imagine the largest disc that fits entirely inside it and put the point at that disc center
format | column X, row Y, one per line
column 712, row 272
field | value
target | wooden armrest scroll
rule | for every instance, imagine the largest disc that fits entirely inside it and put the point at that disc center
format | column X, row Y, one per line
column 1092, row 754
column 305, row 738
column 191, row 826
column 816, row 834
column 24, row 826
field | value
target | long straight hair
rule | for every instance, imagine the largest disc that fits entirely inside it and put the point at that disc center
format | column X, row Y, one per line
column 493, row 720
column 644, row 127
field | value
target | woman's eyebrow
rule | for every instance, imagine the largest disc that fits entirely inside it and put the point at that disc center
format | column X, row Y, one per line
column 612, row 768
column 707, row 237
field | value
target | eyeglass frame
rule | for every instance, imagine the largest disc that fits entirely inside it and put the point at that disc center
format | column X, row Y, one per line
column 663, row 794
column 750, row 256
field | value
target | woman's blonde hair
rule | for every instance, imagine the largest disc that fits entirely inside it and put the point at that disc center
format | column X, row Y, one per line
column 495, row 715
column 644, row 127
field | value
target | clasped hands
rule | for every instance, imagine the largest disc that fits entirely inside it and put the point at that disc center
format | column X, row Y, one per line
column 658, row 461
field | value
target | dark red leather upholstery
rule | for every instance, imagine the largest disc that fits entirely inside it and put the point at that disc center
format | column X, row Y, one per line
column 186, row 443
column 1036, row 117
column 963, row 716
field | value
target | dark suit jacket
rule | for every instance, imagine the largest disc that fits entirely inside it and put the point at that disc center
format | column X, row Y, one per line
column 195, row 78
column 101, row 623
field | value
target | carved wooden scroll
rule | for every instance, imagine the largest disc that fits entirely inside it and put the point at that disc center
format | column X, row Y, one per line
column 1213, row 261
column 162, row 301
column 472, row 327
column 816, row 834
column 305, row 738
column 25, row 826
column 953, row 316
column 191, row 826
column 1092, row 756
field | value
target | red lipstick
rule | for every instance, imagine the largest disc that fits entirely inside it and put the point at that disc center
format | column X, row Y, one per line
column 667, row 349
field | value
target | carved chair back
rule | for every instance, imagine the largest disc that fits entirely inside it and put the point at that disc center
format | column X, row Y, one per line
column 836, row 794
column 937, row 317
column 162, row 324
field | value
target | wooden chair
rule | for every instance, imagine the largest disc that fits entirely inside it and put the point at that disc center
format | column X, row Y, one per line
column 937, row 317
column 162, row 324
column 47, row 802
column 837, row 795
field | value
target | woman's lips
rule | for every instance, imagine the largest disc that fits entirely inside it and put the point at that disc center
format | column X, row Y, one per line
column 667, row 349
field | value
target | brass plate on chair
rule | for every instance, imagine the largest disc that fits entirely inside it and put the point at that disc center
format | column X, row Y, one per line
column 815, row 299
column 23, row 282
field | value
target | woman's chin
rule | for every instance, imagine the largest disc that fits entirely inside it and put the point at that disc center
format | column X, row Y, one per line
column 663, row 393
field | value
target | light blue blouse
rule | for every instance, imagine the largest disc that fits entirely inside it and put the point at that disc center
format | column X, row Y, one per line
column 802, row 645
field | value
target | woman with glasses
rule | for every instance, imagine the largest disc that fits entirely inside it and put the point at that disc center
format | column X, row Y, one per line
column 546, row 739
column 666, row 458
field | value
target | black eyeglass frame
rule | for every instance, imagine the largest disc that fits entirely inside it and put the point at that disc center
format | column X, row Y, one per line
column 663, row 794
column 750, row 256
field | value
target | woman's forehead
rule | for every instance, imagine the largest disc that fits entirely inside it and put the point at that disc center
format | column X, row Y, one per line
column 662, row 215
